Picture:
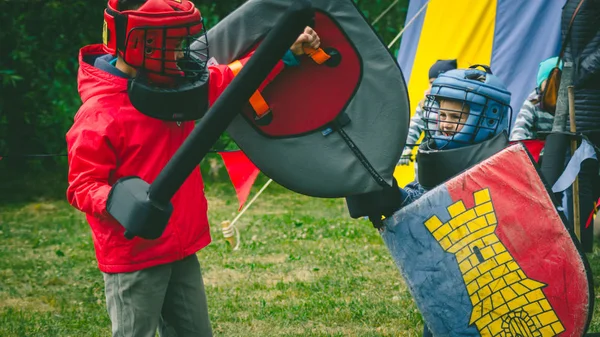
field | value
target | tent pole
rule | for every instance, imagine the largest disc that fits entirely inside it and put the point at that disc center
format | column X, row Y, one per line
column 576, row 210
column 251, row 201
column 408, row 25
column 230, row 231
column 384, row 12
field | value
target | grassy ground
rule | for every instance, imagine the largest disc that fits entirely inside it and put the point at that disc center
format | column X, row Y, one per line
column 305, row 269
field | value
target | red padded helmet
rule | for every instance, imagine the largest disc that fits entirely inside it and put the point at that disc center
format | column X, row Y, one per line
column 157, row 38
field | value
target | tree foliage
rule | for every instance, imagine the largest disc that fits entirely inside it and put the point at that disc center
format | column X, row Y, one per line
column 39, row 43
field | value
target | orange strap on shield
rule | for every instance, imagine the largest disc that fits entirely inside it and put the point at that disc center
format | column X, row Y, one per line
column 317, row 55
column 257, row 101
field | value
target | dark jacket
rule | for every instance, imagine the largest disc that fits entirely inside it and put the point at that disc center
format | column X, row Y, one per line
column 583, row 50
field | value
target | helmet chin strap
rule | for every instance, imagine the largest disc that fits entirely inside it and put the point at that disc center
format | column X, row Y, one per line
column 157, row 80
column 186, row 100
column 431, row 158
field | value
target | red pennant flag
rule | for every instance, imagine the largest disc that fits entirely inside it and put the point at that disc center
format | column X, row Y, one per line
column 592, row 213
column 242, row 173
column 534, row 146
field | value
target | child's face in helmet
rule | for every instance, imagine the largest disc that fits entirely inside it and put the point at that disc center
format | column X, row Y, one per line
column 179, row 51
column 452, row 117
column 543, row 85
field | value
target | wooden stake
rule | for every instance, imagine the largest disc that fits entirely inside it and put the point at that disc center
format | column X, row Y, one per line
column 576, row 214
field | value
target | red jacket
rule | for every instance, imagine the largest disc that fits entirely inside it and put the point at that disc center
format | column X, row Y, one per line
column 109, row 140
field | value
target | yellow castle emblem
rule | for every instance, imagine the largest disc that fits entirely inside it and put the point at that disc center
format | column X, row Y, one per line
column 505, row 301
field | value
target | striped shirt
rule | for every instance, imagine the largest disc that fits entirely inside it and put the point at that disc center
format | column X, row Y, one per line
column 417, row 126
column 531, row 120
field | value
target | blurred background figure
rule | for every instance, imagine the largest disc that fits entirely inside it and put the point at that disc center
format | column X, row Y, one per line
column 531, row 118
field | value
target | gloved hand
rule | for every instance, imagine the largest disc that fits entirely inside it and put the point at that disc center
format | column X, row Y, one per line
column 406, row 157
column 129, row 204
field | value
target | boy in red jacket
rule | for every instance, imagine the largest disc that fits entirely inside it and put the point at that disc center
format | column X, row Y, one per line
column 149, row 284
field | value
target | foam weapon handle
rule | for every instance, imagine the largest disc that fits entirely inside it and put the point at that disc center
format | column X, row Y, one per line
column 146, row 213
column 231, row 102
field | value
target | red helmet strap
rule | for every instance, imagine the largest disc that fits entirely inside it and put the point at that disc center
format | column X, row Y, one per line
column 120, row 27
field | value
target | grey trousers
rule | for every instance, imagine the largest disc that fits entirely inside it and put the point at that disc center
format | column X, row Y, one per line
column 170, row 298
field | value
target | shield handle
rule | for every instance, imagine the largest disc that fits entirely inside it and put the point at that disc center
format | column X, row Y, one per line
column 328, row 56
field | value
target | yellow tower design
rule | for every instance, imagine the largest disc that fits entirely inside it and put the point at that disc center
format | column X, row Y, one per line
column 505, row 302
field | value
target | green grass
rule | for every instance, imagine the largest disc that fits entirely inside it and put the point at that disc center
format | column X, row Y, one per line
column 305, row 269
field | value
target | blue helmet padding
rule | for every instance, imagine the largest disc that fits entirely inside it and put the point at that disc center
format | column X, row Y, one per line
column 486, row 96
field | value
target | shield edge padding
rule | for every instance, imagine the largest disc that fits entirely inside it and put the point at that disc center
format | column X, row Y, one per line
column 578, row 247
column 314, row 164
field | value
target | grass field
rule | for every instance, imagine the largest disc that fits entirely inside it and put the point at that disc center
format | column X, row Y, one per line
column 305, row 269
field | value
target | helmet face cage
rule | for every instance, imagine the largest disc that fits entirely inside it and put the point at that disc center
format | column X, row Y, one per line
column 453, row 122
column 168, row 50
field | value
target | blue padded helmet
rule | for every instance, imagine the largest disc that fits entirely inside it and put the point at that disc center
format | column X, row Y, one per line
column 485, row 109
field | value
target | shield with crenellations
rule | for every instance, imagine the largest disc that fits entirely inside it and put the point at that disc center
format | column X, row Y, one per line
column 487, row 254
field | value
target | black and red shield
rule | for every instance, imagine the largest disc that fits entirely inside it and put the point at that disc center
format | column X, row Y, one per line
column 333, row 129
